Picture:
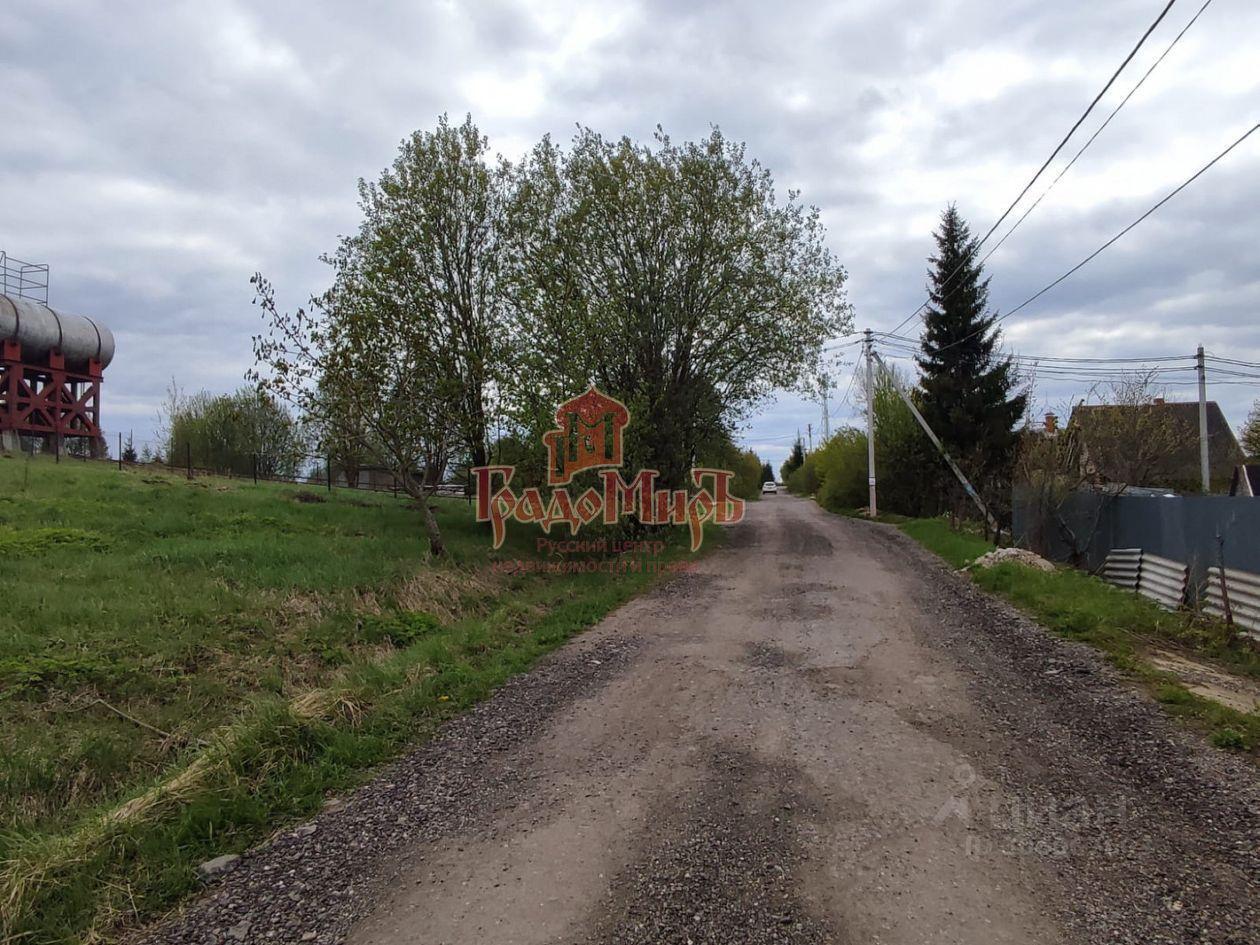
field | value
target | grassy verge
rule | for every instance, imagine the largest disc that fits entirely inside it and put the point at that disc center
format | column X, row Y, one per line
column 1124, row 626
column 185, row 666
column 958, row 548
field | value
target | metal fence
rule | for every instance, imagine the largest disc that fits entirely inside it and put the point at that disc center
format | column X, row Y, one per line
column 1169, row 548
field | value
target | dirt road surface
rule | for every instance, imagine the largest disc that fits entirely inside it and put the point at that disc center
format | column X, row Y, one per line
column 820, row 735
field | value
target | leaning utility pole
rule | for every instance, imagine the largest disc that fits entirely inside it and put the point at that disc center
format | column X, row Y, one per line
column 949, row 460
column 1203, row 428
column 870, row 422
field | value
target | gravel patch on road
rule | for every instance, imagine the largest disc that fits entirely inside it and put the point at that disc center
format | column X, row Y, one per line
column 726, row 871
column 1157, row 831
column 311, row 883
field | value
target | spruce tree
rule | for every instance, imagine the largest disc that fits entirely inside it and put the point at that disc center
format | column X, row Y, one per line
column 795, row 460
column 970, row 395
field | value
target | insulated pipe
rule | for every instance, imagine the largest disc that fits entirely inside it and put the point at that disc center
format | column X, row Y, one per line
column 41, row 330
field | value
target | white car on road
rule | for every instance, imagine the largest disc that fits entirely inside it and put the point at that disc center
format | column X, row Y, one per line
column 768, row 487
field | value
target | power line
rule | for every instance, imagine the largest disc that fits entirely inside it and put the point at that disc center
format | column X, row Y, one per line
column 1080, row 265
column 849, row 390
column 1045, row 357
column 1085, row 147
column 1157, row 368
column 1053, row 154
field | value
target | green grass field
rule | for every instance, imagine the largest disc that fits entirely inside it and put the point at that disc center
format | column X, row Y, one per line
column 1122, row 624
column 186, row 664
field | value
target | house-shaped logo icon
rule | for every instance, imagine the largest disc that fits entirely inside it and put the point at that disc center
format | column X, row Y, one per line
column 588, row 435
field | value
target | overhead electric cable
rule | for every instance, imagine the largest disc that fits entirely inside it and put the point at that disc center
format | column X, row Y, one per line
column 1053, row 154
column 1040, row 292
column 1067, row 167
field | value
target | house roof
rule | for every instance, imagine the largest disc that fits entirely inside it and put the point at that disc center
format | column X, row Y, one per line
column 1181, row 464
column 1246, row 480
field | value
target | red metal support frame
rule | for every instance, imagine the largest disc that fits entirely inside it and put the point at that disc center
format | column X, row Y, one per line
column 48, row 399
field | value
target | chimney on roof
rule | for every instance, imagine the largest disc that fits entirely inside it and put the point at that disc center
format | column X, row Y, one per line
column 1052, row 423
column 1159, row 401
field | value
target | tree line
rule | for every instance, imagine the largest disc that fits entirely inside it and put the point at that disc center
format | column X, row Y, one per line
column 478, row 293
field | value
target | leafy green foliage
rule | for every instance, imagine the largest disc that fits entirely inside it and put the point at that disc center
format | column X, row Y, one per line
column 673, row 277
column 54, row 540
column 395, row 363
column 908, row 467
column 804, row 479
column 229, row 433
column 397, row 629
column 1230, row 739
column 722, row 453
column 842, row 468
column 837, row 471
column 748, row 470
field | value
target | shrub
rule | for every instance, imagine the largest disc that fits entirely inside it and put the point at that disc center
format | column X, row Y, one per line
column 842, row 470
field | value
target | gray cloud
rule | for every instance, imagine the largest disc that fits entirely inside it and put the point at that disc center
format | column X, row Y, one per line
column 158, row 154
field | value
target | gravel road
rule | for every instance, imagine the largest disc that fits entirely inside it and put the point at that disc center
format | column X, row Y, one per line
column 822, row 735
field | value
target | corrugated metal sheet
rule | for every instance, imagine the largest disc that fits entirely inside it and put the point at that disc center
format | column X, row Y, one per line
column 1244, row 596
column 1163, row 580
column 1121, row 567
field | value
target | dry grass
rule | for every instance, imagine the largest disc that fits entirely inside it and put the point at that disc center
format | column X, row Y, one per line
column 27, row 874
column 446, row 592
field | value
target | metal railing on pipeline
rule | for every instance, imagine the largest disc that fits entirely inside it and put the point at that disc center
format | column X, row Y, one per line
column 23, row 279
column 322, row 472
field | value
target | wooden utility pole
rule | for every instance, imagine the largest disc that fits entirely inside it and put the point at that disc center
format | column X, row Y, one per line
column 870, row 423
column 809, row 430
column 1203, row 425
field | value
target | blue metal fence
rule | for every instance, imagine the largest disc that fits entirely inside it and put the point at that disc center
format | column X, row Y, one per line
column 1193, row 530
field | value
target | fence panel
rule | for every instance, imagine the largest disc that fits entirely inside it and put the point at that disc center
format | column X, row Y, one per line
column 1121, row 567
column 1243, row 590
column 1163, row 580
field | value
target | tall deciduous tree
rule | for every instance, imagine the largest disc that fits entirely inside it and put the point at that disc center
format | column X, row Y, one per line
column 404, row 351
column 430, row 242
column 670, row 276
column 970, row 390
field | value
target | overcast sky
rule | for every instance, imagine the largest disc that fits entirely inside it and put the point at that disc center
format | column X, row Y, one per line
column 157, row 154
